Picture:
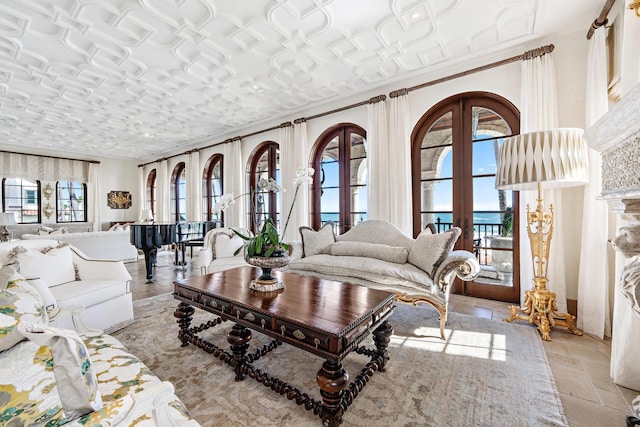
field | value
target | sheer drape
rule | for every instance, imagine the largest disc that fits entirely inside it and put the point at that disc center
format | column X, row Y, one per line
column 593, row 291
column 293, row 143
column 539, row 111
column 194, row 187
column 94, row 195
column 163, row 196
column 236, row 214
column 17, row 165
column 142, row 189
column 378, row 168
column 400, row 179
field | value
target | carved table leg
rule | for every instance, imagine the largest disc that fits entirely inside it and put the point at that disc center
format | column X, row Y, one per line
column 382, row 337
column 332, row 379
column 183, row 313
column 239, row 338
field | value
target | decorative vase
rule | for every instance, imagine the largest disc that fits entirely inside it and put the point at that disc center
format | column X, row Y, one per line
column 266, row 282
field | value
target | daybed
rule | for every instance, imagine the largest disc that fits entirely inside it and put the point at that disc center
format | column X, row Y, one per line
column 219, row 246
column 66, row 277
column 52, row 376
column 376, row 254
column 114, row 244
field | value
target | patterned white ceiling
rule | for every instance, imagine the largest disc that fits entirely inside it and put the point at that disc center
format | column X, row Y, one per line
column 136, row 79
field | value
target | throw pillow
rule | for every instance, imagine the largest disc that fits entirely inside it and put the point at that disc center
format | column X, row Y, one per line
column 61, row 230
column 54, row 267
column 43, row 230
column 18, row 300
column 226, row 244
column 116, row 227
column 76, row 379
column 396, row 254
column 315, row 242
column 429, row 250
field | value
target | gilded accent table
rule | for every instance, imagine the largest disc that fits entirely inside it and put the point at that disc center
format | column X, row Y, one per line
column 323, row 317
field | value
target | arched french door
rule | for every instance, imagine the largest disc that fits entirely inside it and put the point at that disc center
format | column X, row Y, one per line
column 454, row 150
column 339, row 190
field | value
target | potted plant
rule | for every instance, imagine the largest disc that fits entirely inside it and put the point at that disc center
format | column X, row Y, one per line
column 266, row 249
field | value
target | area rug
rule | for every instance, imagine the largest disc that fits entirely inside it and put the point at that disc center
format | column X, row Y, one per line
column 486, row 373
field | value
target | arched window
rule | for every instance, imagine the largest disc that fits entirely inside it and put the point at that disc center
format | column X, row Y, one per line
column 264, row 164
column 151, row 192
column 22, row 197
column 71, row 200
column 340, row 183
column 179, row 193
column 212, row 187
column 454, row 150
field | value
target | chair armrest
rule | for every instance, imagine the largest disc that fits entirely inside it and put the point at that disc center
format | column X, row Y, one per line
column 100, row 269
column 462, row 264
column 73, row 311
column 295, row 250
column 205, row 257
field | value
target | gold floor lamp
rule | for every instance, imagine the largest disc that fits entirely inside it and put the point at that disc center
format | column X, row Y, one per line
column 555, row 158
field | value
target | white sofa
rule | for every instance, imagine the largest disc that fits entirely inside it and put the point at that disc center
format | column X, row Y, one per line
column 67, row 277
column 97, row 244
column 219, row 246
column 55, row 376
column 377, row 255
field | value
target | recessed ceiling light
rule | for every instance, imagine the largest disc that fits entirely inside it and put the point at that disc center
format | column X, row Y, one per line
column 148, row 135
column 415, row 15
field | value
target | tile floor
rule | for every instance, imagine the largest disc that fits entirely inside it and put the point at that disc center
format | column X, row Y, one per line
column 580, row 364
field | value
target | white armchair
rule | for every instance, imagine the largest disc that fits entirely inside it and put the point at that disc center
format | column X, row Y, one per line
column 67, row 278
column 217, row 254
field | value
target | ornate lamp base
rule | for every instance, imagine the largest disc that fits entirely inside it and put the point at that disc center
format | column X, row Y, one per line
column 540, row 308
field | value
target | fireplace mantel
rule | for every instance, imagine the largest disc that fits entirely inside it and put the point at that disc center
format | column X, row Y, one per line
column 617, row 136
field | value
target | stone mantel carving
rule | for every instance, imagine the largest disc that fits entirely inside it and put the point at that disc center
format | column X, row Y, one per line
column 617, row 136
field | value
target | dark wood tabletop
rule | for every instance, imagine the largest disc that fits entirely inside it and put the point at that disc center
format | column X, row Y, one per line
column 335, row 313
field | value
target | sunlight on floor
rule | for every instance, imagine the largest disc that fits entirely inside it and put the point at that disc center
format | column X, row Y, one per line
column 461, row 343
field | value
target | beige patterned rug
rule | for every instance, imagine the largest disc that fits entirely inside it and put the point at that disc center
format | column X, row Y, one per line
column 486, row 373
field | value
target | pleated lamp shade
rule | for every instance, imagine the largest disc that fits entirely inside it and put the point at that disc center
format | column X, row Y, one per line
column 557, row 157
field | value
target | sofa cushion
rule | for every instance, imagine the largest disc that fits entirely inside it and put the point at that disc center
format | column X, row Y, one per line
column 315, row 242
column 371, row 269
column 376, row 231
column 54, row 267
column 18, row 300
column 75, row 377
column 88, row 292
column 395, row 254
column 430, row 250
column 226, row 244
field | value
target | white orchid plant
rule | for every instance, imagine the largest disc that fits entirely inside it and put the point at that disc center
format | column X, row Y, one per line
column 267, row 242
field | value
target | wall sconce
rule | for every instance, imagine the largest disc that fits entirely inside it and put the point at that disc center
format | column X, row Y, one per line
column 48, row 210
column 48, row 191
column 635, row 5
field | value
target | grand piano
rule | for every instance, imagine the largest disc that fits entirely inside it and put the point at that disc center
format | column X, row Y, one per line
column 150, row 237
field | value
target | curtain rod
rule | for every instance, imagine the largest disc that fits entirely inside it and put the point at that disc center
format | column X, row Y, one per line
column 50, row 157
column 526, row 55
column 282, row 125
column 601, row 19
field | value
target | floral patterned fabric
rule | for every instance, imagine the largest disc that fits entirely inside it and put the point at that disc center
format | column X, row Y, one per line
column 28, row 392
column 18, row 299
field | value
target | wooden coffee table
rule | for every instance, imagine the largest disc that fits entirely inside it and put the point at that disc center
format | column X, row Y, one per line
column 323, row 317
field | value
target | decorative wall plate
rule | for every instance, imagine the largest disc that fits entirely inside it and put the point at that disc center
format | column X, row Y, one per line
column 119, row 199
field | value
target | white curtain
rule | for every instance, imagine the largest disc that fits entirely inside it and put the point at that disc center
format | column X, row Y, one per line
column 163, row 193
column 400, row 169
column 593, row 290
column 27, row 166
column 236, row 214
column 539, row 111
column 293, row 155
column 378, row 157
column 142, row 189
column 194, row 187
column 95, row 195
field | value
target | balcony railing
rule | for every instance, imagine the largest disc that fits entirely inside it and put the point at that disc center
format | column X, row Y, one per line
column 480, row 231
